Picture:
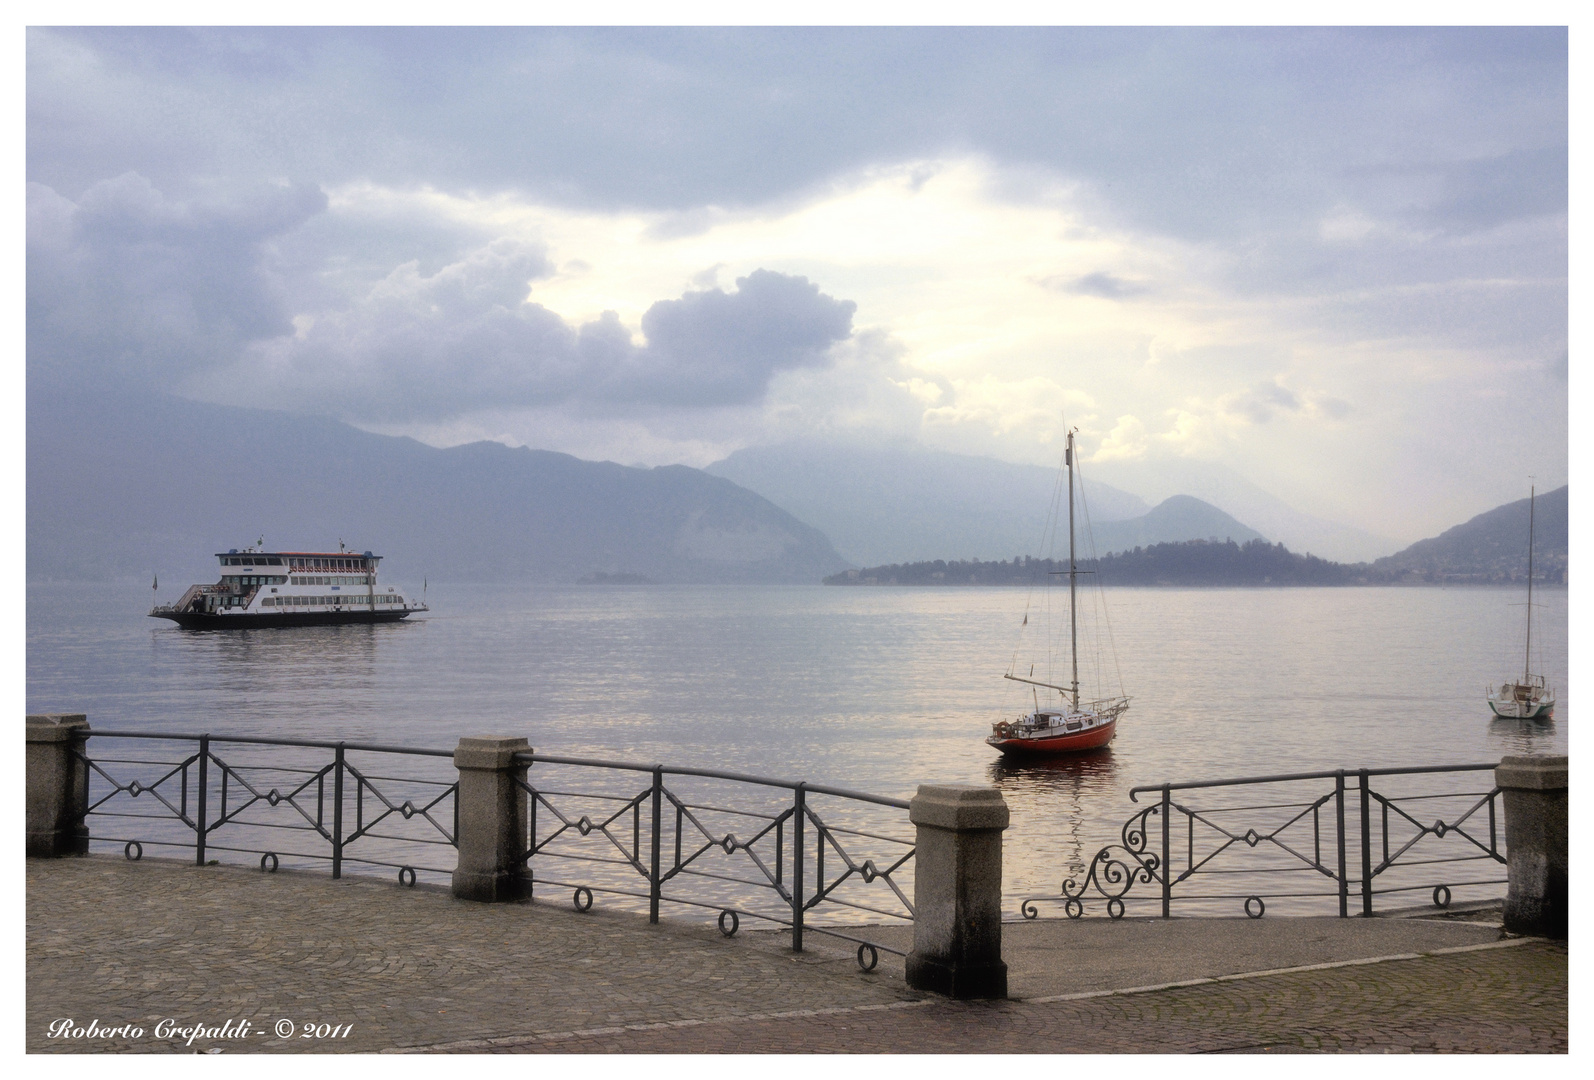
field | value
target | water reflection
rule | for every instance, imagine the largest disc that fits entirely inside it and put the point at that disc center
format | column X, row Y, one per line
column 1091, row 773
column 1052, row 797
column 266, row 654
column 1523, row 736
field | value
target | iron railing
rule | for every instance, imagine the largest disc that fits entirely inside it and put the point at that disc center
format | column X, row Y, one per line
column 768, row 863
column 309, row 802
column 779, row 854
column 1289, row 838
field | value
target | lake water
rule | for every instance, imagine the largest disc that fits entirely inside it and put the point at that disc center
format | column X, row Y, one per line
column 875, row 689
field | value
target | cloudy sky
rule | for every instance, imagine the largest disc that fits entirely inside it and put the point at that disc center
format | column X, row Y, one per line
column 1332, row 260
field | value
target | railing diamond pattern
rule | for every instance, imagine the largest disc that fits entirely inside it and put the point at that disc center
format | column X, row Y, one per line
column 1301, row 835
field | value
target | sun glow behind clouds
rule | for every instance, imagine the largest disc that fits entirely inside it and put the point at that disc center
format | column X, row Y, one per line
column 987, row 312
column 1001, row 297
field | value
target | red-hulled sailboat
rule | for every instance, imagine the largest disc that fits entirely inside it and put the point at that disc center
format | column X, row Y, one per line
column 1070, row 725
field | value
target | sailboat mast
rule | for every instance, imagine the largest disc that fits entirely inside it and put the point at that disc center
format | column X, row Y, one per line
column 1073, row 619
column 1527, row 652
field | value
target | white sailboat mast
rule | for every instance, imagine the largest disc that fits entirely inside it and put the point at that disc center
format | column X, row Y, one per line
column 1527, row 653
column 1073, row 618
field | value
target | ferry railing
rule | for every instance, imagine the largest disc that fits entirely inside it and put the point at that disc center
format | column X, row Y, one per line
column 1273, row 837
column 806, row 846
column 782, row 852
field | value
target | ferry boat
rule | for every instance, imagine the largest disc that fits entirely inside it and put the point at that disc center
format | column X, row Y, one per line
column 290, row 588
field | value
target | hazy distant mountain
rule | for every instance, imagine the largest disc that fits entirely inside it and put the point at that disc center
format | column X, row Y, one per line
column 1185, row 563
column 1173, row 520
column 896, row 504
column 1229, row 491
column 120, row 487
column 1492, row 547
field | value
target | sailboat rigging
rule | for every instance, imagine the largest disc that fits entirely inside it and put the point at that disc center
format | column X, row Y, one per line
column 1526, row 698
column 1072, row 725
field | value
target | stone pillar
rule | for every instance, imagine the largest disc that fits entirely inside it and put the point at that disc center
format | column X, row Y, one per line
column 57, row 785
column 957, row 891
column 1534, row 791
column 492, row 820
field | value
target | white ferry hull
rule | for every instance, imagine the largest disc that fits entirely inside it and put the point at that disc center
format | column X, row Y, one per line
column 250, row 620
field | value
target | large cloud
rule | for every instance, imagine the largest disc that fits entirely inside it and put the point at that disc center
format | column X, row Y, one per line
column 1271, row 245
column 465, row 338
column 1196, row 132
column 126, row 284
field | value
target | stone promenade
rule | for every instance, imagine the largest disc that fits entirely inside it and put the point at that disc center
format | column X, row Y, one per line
column 122, row 943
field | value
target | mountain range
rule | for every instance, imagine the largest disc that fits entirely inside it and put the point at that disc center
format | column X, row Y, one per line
column 1489, row 548
column 900, row 503
column 119, row 487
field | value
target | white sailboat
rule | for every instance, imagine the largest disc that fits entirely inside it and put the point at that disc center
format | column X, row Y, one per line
column 1527, row 698
column 1070, row 725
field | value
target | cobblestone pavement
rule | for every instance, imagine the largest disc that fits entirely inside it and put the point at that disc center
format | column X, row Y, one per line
column 1510, row 1000
column 123, row 943
column 128, row 943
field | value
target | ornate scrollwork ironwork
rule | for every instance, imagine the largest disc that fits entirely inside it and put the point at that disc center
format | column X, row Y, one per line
column 1113, row 871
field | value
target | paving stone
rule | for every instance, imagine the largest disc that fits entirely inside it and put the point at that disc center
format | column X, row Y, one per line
column 134, row 943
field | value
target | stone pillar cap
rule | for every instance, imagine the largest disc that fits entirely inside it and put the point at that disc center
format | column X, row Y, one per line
column 958, row 806
column 1532, row 772
column 489, row 751
column 56, row 727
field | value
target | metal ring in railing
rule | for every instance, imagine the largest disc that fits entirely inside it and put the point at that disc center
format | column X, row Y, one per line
column 409, row 872
column 1115, row 908
column 736, row 923
column 1260, row 907
column 272, row 869
column 134, row 851
column 1029, row 910
column 583, row 904
column 874, row 956
column 1073, row 907
column 1437, row 891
